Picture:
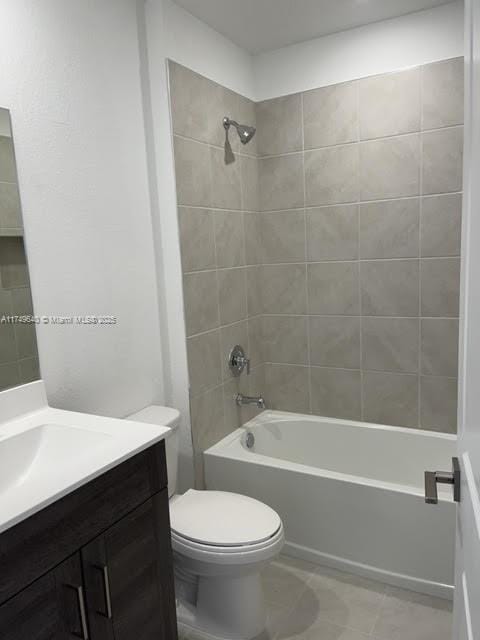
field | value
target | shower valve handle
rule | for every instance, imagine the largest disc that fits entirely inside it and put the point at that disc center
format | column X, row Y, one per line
column 238, row 361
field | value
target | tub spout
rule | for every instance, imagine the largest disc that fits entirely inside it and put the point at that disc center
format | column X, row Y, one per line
column 242, row 400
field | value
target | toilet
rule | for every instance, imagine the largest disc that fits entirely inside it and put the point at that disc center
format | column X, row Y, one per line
column 221, row 541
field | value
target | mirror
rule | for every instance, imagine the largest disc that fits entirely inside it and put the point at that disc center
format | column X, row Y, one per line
column 18, row 343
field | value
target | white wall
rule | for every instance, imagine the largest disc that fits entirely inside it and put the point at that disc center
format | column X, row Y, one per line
column 411, row 40
column 69, row 75
column 194, row 44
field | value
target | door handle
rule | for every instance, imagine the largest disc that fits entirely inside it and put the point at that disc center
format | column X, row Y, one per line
column 106, row 590
column 82, row 612
column 432, row 478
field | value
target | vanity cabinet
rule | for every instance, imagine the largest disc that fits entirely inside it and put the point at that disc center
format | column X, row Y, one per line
column 49, row 609
column 95, row 565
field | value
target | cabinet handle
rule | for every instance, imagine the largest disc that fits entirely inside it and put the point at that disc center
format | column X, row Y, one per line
column 82, row 612
column 106, row 590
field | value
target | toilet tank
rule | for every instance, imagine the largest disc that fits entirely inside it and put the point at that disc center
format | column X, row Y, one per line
column 164, row 417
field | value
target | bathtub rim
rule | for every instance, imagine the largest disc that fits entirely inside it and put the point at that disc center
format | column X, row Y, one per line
column 225, row 449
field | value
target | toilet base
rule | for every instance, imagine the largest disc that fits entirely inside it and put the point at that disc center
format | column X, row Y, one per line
column 226, row 608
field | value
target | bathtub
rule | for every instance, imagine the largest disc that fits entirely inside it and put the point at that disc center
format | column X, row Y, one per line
column 350, row 494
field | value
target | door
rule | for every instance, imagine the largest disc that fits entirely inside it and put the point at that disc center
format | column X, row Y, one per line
column 52, row 608
column 467, row 592
column 129, row 578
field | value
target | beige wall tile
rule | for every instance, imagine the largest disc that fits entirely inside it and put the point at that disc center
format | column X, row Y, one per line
column 192, row 173
column 332, row 233
column 281, row 180
column 439, row 345
column 254, row 291
column 389, row 288
column 336, row 393
column 21, row 301
column 9, row 375
column 256, row 341
column 232, row 295
column 226, row 181
column 283, row 288
column 330, row 115
column 440, row 283
column 442, row 160
column 390, row 344
column 229, row 238
column 191, row 101
column 335, row 341
column 204, row 361
column 26, row 339
column 283, row 236
column 250, row 184
column 197, row 239
column 390, row 398
column 390, row 104
column 390, row 168
column 29, row 370
column 287, row 387
column 10, row 209
column 6, row 307
column 285, row 339
column 208, row 425
column 441, row 225
column 443, row 93
column 331, row 175
column 390, row 229
column 438, row 402
column 253, row 238
column 8, row 171
column 279, row 123
column 201, row 301
column 333, row 288
column 8, row 347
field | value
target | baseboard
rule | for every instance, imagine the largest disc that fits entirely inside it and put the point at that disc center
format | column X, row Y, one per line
column 437, row 589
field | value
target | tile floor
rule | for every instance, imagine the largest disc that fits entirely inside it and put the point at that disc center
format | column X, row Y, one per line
column 308, row 602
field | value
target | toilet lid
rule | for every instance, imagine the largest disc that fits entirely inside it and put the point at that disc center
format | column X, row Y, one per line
column 222, row 519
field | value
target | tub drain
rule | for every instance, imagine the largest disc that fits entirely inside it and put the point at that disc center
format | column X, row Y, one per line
column 250, row 440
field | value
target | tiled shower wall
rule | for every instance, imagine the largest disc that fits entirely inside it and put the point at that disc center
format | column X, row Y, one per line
column 361, row 213
column 329, row 248
column 216, row 200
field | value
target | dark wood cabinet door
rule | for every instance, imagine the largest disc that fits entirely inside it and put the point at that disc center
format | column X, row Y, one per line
column 51, row 608
column 129, row 578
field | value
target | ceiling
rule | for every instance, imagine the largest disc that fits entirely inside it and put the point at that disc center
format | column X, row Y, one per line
column 263, row 25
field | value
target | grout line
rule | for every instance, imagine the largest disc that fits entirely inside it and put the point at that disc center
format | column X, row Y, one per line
column 296, row 263
column 420, row 218
column 359, row 275
column 307, row 296
column 330, row 205
column 316, row 315
column 361, row 141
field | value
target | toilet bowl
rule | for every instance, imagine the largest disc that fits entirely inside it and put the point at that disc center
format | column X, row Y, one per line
column 221, row 541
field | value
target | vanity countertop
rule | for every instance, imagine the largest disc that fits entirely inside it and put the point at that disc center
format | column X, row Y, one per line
column 47, row 453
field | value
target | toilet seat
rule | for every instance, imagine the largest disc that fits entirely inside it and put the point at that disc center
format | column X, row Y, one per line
column 222, row 528
column 222, row 519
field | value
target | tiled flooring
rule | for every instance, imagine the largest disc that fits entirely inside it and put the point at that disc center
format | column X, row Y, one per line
column 307, row 602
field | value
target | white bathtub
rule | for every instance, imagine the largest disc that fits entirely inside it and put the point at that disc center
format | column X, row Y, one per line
column 350, row 494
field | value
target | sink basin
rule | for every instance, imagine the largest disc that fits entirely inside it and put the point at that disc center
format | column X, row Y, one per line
column 32, row 455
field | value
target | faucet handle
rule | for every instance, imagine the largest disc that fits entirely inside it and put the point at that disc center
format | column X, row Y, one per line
column 238, row 361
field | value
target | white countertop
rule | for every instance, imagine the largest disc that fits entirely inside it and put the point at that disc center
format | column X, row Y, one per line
column 47, row 453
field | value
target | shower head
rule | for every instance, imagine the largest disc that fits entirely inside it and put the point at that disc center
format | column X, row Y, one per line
column 245, row 132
